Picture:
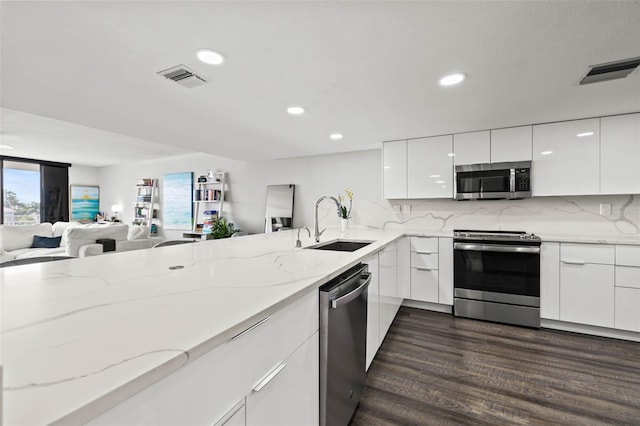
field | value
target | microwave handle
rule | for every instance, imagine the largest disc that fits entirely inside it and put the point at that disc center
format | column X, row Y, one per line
column 512, row 180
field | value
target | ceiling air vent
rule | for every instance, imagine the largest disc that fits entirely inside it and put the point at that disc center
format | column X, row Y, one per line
column 611, row 70
column 183, row 75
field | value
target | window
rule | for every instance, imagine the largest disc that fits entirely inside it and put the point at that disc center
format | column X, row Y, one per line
column 33, row 191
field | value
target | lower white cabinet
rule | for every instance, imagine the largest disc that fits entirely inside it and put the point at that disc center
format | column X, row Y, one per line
column 550, row 280
column 627, row 308
column 390, row 299
column 207, row 390
column 432, row 270
column 235, row 417
column 587, row 294
column 373, row 309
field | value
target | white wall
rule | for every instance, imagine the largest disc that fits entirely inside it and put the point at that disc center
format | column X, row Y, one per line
column 361, row 172
column 84, row 175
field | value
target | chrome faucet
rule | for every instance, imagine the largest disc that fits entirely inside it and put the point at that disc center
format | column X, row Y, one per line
column 317, row 227
column 298, row 242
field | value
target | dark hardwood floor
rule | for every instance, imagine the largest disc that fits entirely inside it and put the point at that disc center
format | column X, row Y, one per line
column 436, row 369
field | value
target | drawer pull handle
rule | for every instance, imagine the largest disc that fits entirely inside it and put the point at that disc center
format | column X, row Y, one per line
column 425, row 252
column 264, row 382
column 573, row 262
column 242, row 333
column 423, row 269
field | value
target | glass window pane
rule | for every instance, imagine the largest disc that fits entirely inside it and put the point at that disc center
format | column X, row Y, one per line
column 21, row 193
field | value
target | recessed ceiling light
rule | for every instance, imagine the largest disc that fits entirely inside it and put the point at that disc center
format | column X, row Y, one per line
column 295, row 110
column 6, row 147
column 451, row 79
column 210, row 57
column 546, row 153
column 336, row 136
column 584, row 134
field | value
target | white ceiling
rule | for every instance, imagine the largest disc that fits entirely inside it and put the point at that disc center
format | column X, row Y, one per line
column 366, row 69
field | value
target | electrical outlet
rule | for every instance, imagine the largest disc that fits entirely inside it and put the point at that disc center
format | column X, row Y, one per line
column 406, row 208
column 396, row 209
column 605, row 209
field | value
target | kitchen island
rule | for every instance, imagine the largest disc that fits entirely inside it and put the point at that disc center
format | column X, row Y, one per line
column 81, row 336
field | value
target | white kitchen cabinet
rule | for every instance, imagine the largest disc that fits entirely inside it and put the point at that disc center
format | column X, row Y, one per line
column 373, row 309
column 620, row 154
column 430, row 167
column 511, row 144
column 627, row 255
column 389, row 299
column 566, row 158
column 289, row 393
column 403, row 266
column 627, row 308
column 550, row 280
column 445, row 271
column 394, row 169
column 203, row 391
column 235, row 417
column 587, row 284
column 472, row 148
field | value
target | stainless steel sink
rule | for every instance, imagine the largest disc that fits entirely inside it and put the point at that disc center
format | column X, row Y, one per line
column 341, row 245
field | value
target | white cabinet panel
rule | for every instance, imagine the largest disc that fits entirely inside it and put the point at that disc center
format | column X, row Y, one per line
column 430, row 167
column 424, row 285
column 235, row 417
column 445, row 271
column 587, row 294
column 565, row 163
column 472, row 148
column 373, row 309
column 550, row 281
column 627, row 255
column 587, row 253
column 291, row 396
column 620, row 154
column 404, row 263
column 427, row 245
column 424, row 261
column 628, row 308
column 628, row 276
column 512, row 144
column 394, row 169
column 389, row 301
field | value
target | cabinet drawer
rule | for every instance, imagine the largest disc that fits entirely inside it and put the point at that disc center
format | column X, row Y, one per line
column 628, row 309
column 627, row 276
column 424, row 285
column 628, row 255
column 424, row 261
column 424, row 245
column 587, row 253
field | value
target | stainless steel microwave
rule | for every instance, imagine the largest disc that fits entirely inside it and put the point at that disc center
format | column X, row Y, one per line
column 493, row 181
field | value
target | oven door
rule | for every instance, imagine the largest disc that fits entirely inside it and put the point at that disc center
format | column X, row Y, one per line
column 497, row 272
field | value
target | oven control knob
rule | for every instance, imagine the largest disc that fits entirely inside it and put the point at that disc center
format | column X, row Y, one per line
column 533, row 236
column 523, row 236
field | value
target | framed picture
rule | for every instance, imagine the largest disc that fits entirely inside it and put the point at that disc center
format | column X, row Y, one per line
column 85, row 202
column 177, row 199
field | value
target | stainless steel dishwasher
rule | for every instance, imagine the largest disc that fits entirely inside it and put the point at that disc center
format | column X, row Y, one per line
column 343, row 343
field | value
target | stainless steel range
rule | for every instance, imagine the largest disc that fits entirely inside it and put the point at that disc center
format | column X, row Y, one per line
column 497, row 276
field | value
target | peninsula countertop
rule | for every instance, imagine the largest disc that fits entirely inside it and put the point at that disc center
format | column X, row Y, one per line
column 81, row 335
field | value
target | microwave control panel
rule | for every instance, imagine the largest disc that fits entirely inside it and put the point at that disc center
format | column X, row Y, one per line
column 522, row 180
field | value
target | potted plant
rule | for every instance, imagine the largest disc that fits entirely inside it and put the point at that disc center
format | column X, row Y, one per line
column 220, row 228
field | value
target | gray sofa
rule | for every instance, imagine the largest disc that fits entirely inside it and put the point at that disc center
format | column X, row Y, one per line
column 76, row 240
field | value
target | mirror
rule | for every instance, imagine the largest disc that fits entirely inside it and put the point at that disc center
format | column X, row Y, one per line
column 279, row 211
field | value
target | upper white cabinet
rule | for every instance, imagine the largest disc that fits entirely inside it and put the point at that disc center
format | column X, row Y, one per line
column 566, row 158
column 430, row 167
column 620, row 154
column 394, row 169
column 472, row 148
column 512, row 144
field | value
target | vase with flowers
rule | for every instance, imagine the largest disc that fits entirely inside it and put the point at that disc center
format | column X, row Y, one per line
column 345, row 212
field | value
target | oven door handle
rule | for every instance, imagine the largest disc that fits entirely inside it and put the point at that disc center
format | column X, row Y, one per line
column 496, row 247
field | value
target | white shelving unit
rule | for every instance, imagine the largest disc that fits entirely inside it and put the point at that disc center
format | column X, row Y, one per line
column 145, row 208
column 208, row 196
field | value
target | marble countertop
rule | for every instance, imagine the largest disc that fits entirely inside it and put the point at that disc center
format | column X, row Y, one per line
column 81, row 335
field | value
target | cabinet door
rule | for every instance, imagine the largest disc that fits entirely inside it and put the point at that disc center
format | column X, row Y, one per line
column 550, row 281
column 620, row 154
column 566, row 158
column 388, row 287
column 587, row 294
column 373, row 310
column 512, row 144
column 235, row 417
column 430, row 167
column 472, row 148
column 424, row 285
column 628, row 308
column 403, row 265
column 288, row 395
column 394, row 169
column 445, row 272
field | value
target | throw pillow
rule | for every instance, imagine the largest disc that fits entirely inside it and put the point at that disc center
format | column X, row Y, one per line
column 45, row 242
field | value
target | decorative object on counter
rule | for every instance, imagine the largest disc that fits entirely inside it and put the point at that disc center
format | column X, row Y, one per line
column 85, row 202
column 345, row 213
column 220, row 228
column 177, row 193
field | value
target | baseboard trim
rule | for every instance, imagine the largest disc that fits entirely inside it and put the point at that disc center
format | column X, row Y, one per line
column 590, row 329
column 427, row 306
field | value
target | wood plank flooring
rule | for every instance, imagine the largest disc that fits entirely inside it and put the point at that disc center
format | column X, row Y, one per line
column 436, row 369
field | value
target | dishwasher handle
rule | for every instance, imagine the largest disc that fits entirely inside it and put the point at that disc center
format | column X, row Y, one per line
column 343, row 300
